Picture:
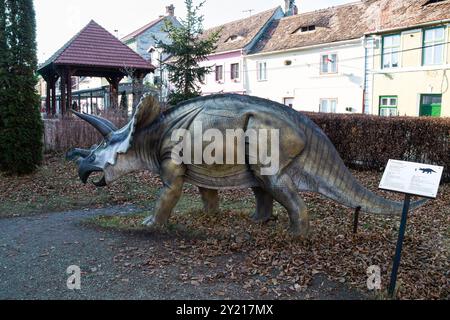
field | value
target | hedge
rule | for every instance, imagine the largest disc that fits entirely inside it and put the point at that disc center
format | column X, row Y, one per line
column 61, row 135
column 368, row 142
column 364, row 142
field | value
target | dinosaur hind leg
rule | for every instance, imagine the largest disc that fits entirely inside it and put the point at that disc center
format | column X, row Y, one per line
column 211, row 201
column 284, row 191
column 264, row 206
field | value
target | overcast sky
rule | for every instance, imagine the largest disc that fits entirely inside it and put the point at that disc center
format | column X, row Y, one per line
column 58, row 21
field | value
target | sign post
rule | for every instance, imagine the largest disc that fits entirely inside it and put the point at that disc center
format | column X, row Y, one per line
column 398, row 252
column 411, row 179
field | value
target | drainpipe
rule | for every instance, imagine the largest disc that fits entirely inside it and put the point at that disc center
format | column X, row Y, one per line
column 366, row 59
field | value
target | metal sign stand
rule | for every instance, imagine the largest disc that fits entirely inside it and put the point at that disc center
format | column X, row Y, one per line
column 401, row 238
column 398, row 252
column 399, row 177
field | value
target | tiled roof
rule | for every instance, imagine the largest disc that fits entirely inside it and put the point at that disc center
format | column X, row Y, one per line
column 332, row 24
column 349, row 21
column 393, row 14
column 94, row 46
column 245, row 30
column 140, row 31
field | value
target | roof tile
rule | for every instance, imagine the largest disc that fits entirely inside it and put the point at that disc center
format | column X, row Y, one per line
column 95, row 46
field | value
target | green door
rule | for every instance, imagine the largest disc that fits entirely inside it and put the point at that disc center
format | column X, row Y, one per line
column 430, row 105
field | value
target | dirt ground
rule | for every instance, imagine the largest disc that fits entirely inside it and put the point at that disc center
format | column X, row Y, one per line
column 35, row 253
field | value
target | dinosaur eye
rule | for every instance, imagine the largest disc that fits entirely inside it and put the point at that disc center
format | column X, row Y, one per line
column 92, row 158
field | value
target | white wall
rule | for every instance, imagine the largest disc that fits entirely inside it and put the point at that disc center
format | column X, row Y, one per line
column 227, row 85
column 303, row 81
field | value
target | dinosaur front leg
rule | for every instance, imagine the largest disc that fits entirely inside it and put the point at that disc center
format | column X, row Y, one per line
column 173, row 179
column 264, row 206
column 211, row 201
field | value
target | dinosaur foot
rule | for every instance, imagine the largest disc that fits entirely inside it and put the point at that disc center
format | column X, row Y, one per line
column 300, row 233
column 151, row 222
column 258, row 218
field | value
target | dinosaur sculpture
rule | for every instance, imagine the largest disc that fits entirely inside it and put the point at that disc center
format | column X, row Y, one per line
column 308, row 161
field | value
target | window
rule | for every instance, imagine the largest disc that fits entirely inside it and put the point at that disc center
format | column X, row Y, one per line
column 432, row 2
column 388, row 106
column 219, row 73
column 234, row 38
column 262, row 71
column 433, row 46
column 328, row 63
column 328, row 105
column 235, row 71
column 391, row 51
column 304, row 29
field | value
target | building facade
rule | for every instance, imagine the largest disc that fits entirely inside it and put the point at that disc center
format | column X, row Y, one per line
column 411, row 59
column 312, row 61
column 237, row 38
column 144, row 42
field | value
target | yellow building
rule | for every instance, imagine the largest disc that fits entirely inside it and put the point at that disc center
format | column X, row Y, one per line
column 408, row 66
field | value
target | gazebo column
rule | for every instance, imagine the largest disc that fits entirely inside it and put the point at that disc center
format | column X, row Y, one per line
column 114, row 92
column 48, row 108
column 53, row 88
column 62, row 104
column 138, row 88
column 69, row 90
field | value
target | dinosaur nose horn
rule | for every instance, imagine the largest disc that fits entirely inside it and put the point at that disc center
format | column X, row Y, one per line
column 77, row 153
column 104, row 126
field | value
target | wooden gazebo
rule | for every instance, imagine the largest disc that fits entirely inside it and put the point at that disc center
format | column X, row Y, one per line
column 93, row 52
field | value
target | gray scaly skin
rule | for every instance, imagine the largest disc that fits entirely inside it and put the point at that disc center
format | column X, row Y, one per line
column 308, row 160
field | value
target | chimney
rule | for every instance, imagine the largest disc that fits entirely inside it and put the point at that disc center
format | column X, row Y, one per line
column 170, row 10
column 290, row 8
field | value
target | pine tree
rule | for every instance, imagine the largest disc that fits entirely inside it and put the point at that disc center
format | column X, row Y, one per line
column 187, row 50
column 3, row 69
column 22, row 128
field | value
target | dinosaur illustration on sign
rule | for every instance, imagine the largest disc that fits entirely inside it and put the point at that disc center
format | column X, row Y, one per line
column 427, row 171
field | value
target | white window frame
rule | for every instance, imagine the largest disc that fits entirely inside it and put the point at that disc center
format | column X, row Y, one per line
column 391, row 51
column 329, row 63
column 328, row 100
column 434, row 45
column 238, row 75
column 221, row 80
column 261, row 72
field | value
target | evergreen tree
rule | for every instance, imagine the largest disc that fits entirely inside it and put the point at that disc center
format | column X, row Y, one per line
column 188, row 48
column 22, row 128
column 3, row 69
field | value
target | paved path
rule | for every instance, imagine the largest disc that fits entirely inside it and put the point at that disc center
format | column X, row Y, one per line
column 35, row 253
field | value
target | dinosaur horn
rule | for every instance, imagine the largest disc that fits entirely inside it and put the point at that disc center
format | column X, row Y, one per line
column 77, row 153
column 108, row 123
column 102, row 125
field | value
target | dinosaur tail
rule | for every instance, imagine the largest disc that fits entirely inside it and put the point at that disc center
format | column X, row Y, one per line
column 321, row 169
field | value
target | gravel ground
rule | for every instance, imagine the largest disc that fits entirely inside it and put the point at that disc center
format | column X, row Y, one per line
column 35, row 253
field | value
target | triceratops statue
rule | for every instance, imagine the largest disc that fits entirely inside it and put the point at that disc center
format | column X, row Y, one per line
column 307, row 160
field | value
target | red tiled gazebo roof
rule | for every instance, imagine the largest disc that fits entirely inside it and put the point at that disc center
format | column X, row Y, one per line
column 93, row 52
column 94, row 47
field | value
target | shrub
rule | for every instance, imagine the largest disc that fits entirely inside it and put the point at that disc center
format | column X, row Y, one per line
column 368, row 142
column 20, row 120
